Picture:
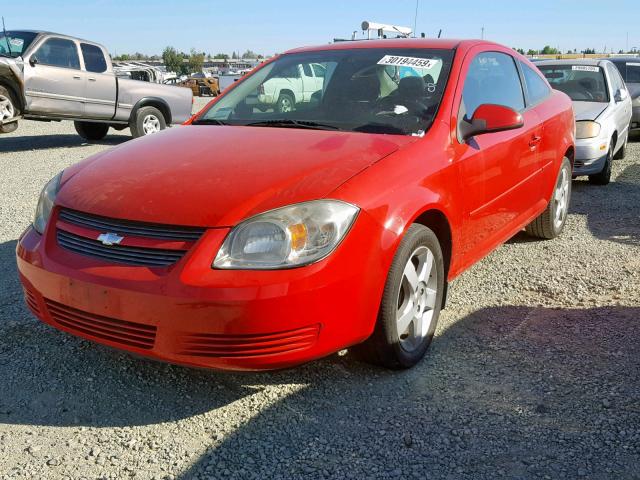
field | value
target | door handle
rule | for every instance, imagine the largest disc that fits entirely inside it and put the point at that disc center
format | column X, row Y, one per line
column 535, row 140
column 76, row 77
column 91, row 79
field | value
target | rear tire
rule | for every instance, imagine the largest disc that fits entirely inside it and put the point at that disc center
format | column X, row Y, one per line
column 286, row 103
column 147, row 121
column 411, row 303
column 8, row 109
column 91, row 131
column 551, row 222
column 604, row 177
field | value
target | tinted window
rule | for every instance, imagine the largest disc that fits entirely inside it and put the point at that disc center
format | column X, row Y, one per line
column 93, row 58
column 537, row 88
column 633, row 73
column 58, row 52
column 318, row 69
column 492, row 78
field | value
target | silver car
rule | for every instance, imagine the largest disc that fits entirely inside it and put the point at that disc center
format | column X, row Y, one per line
column 602, row 107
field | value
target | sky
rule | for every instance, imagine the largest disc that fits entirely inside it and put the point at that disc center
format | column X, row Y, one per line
column 267, row 27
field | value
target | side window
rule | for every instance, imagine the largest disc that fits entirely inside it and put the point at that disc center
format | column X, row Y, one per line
column 492, row 78
column 58, row 52
column 94, row 60
column 318, row 69
column 537, row 88
column 306, row 68
column 633, row 72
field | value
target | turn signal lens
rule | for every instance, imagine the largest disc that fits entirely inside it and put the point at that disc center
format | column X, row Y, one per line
column 587, row 129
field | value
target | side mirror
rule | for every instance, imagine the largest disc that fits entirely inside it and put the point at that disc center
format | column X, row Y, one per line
column 620, row 95
column 490, row 118
column 33, row 60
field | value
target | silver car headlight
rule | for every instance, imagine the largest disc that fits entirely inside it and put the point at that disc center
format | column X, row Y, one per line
column 45, row 203
column 287, row 237
column 587, row 129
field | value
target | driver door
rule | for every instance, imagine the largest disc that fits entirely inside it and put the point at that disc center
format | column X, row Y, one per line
column 54, row 83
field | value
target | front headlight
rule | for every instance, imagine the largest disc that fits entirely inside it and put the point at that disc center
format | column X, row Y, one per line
column 287, row 237
column 587, row 129
column 45, row 203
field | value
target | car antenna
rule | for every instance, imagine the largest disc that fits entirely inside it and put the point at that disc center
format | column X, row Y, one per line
column 4, row 31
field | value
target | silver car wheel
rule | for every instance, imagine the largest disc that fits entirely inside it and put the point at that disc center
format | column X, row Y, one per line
column 7, row 110
column 150, row 124
column 561, row 199
column 417, row 298
column 285, row 105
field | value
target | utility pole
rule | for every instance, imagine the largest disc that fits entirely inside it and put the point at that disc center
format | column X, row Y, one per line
column 415, row 19
column 482, row 33
column 627, row 47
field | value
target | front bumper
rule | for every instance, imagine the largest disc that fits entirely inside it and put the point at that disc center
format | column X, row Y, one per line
column 591, row 155
column 193, row 315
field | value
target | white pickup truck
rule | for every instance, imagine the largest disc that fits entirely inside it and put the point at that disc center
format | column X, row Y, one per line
column 50, row 77
column 292, row 86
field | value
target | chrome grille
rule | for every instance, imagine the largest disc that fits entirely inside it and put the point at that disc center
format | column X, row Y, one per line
column 139, row 256
column 128, row 227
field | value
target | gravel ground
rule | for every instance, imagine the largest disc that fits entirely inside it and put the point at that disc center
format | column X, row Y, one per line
column 534, row 372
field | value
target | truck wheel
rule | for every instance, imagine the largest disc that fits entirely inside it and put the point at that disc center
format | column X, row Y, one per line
column 286, row 103
column 8, row 109
column 91, row 131
column 410, row 304
column 551, row 222
column 148, row 120
column 604, row 177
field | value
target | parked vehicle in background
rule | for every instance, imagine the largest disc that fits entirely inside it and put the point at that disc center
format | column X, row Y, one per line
column 143, row 72
column 629, row 68
column 602, row 106
column 291, row 87
column 51, row 77
column 202, row 87
column 256, row 239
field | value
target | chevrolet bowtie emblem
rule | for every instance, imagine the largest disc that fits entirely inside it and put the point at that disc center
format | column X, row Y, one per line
column 110, row 238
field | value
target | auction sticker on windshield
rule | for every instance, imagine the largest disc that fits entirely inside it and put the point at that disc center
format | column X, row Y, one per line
column 407, row 61
column 585, row 68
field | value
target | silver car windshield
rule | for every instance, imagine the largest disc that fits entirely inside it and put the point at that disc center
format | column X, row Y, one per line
column 583, row 83
column 392, row 91
column 14, row 44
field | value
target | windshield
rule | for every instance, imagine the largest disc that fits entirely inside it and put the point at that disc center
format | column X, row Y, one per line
column 394, row 91
column 15, row 43
column 584, row 83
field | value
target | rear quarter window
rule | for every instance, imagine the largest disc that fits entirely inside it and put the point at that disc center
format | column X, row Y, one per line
column 94, row 60
column 537, row 88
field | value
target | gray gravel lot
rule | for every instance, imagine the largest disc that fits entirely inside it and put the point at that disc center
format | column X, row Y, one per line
column 534, row 372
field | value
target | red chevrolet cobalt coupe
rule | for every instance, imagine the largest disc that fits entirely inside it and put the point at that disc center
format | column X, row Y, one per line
column 323, row 202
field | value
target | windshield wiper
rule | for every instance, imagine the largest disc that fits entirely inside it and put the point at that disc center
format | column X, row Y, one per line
column 293, row 124
column 209, row 121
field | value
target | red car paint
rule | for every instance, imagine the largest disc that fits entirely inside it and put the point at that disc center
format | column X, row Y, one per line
column 474, row 197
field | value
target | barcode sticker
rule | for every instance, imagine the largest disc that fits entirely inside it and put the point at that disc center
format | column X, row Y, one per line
column 585, row 68
column 398, row 61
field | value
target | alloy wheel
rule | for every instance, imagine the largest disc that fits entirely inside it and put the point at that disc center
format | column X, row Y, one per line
column 561, row 199
column 417, row 298
column 150, row 124
column 7, row 110
column 285, row 105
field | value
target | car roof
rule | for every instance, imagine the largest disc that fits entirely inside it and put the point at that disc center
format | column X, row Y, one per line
column 594, row 62
column 45, row 32
column 433, row 43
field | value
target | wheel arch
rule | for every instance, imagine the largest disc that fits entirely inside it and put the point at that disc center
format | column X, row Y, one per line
column 288, row 92
column 14, row 88
column 157, row 102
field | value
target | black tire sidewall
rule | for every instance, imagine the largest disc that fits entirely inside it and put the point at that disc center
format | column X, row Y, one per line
column 416, row 236
column 91, row 131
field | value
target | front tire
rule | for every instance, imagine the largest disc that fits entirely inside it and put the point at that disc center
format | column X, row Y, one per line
column 411, row 303
column 551, row 222
column 8, row 109
column 604, row 177
column 622, row 153
column 91, row 131
column 147, row 121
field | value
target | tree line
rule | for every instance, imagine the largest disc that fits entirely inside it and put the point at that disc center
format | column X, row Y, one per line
column 548, row 50
column 174, row 59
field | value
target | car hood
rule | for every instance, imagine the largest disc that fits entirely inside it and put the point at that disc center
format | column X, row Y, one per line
column 588, row 110
column 218, row 175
